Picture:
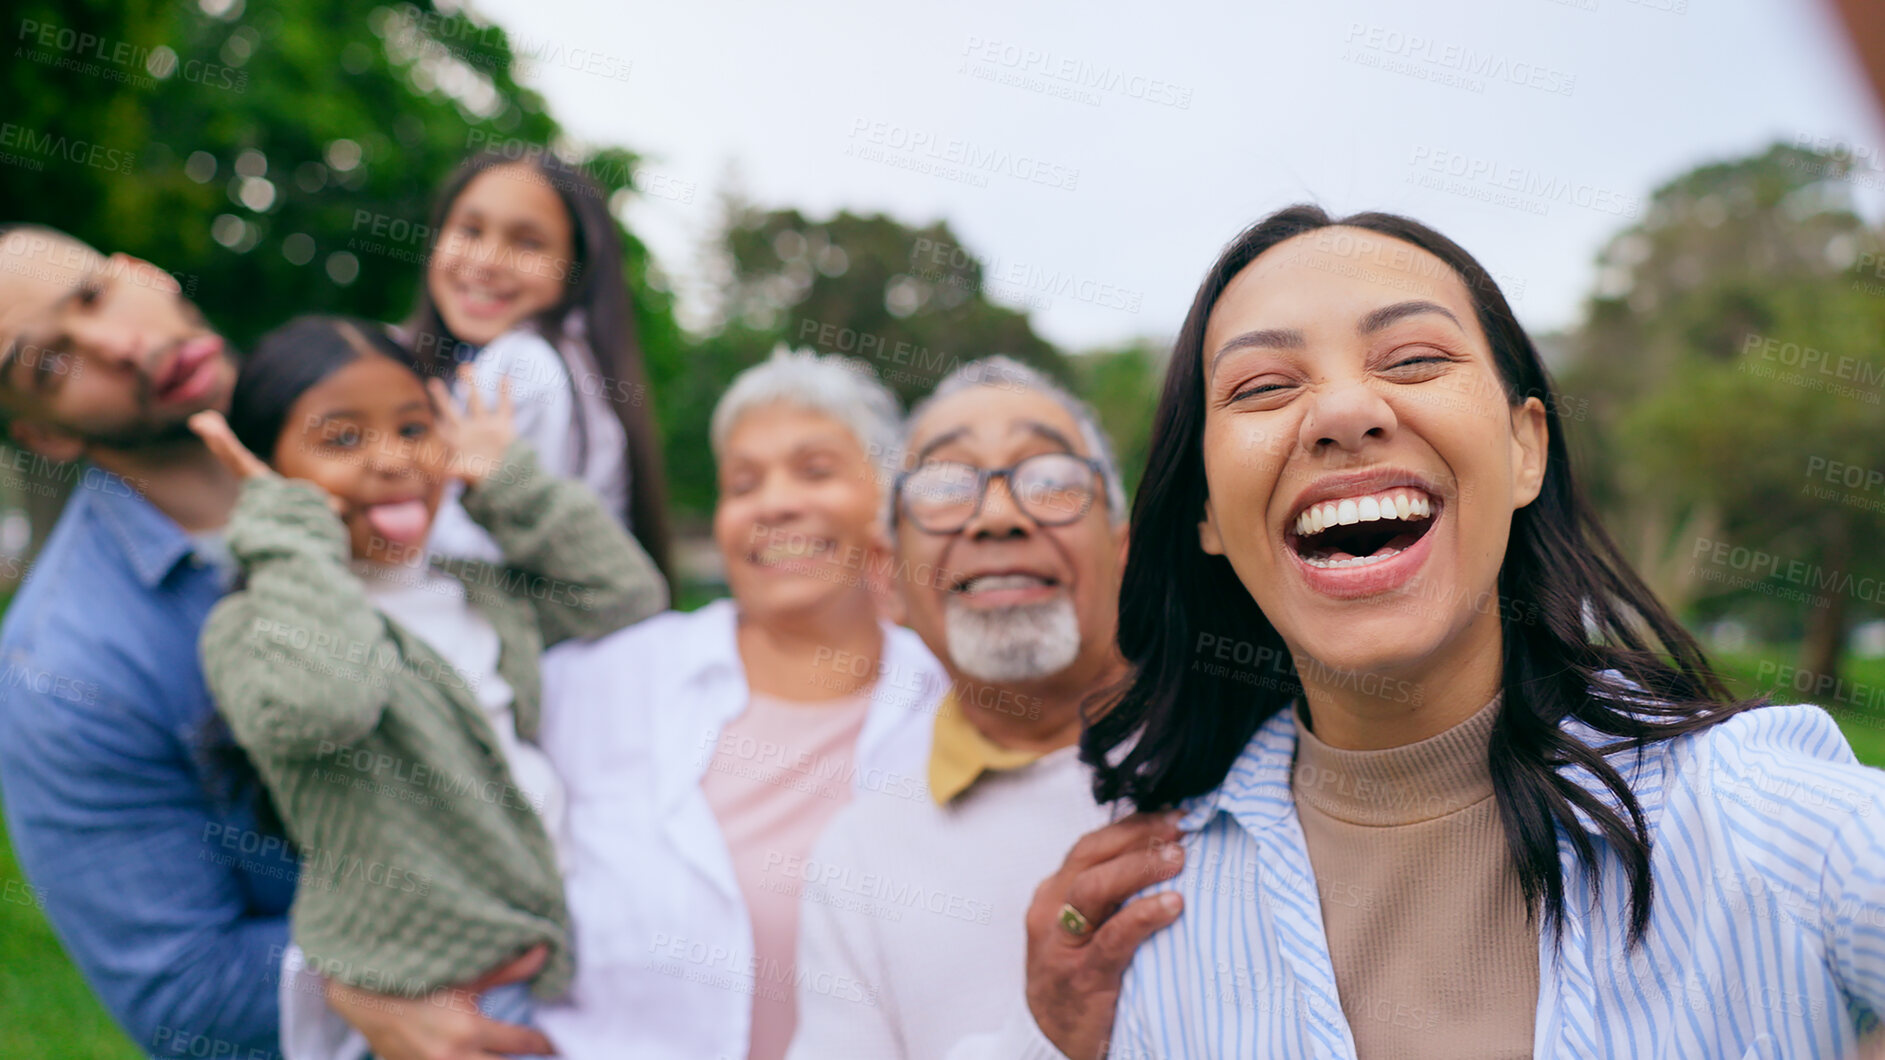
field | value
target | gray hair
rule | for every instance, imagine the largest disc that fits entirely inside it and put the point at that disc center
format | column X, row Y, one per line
column 844, row 389
column 1010, row 374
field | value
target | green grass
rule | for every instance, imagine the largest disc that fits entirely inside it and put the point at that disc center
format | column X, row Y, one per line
column 1857, row 702
column 46, row 1011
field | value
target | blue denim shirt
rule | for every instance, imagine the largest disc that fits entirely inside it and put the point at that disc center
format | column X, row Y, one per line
column 167, row 898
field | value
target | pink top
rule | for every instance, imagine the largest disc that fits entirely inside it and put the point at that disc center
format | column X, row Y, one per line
column 779, row 773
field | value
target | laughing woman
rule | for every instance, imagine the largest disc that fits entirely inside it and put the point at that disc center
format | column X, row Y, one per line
column 1462, row 787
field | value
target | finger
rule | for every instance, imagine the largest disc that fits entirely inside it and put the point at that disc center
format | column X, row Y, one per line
column 1098, row 891
column 504, row 397
column 508, row 1039
column 474, row 401
column 518, row 969
column 442, row 397
column 210, row 426
column 1104, row 844
column 1120, row 937
column 221, row 442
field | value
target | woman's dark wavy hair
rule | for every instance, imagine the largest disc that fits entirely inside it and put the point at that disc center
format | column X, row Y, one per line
column 1574, row 616
column 598, row 288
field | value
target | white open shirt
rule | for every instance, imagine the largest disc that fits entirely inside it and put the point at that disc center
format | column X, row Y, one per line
column 635, row 720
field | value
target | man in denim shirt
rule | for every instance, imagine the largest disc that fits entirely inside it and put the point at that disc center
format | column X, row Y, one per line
column 154, row 873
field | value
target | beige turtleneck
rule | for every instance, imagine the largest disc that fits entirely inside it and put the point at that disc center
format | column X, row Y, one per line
column 1434, row 958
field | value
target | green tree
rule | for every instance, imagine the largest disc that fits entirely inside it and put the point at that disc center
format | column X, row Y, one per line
column 280, row 158
column 1123, row 386
column 1712, row 420
column 908, row 301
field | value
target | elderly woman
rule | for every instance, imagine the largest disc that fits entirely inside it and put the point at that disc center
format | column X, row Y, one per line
column 705, row 753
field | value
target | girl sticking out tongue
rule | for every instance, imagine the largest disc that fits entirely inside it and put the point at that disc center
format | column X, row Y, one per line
column 345, row 644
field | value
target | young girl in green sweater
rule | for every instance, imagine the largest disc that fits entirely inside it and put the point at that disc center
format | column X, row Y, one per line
column 389, row 698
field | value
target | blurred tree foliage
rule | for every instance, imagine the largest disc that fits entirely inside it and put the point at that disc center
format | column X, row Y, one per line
column 1123, row 386
column 279, row 158
column 907, row 301
column 1732, row 359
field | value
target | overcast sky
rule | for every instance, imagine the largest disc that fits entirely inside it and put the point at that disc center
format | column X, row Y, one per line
column 1099, row 155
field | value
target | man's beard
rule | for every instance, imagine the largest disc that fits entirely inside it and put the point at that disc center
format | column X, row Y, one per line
column 1022, row 643
column 139, row 436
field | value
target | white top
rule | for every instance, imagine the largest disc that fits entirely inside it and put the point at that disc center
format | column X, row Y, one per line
column 664, row 965
column 921, row 916
column 541, row 399
column 432, row 604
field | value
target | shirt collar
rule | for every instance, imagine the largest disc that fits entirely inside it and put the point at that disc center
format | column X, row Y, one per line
column 152, row 540
column 959, row 754
column 712, row 646
column 1257, row 792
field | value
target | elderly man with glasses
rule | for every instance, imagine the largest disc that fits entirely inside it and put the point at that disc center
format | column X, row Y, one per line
column 1010, row 500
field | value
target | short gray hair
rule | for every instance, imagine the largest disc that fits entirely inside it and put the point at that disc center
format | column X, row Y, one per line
column 844, row 389
column 1010, row 374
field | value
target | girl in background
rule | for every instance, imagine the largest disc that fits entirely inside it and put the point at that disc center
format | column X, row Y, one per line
column 524, row 281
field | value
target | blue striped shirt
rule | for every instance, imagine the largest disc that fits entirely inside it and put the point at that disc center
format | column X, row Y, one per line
column 1766, row 936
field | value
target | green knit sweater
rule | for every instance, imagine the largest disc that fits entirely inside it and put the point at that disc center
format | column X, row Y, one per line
column 422, row 863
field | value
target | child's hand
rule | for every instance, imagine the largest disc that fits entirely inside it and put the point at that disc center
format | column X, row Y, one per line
column 478, row 436
column 222, row 444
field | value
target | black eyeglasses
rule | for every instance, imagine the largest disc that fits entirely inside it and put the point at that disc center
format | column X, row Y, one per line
column 1053, row 489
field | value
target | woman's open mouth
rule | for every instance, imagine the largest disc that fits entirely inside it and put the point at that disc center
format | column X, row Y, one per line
column 1362, row 530
column 1365, row 543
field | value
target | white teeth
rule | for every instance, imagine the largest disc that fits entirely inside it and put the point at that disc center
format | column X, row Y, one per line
column 993, row 582
column 1400, row 504
column 483, row 294
column 1353, row 561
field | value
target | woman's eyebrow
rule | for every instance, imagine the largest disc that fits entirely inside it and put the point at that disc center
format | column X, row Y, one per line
column 1388, row 314
column 1262, row 339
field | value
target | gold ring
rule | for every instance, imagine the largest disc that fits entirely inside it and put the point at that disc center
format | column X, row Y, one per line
column 1074, row 922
